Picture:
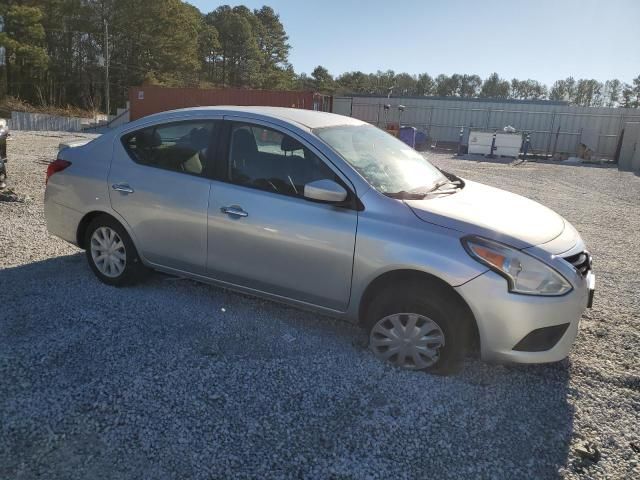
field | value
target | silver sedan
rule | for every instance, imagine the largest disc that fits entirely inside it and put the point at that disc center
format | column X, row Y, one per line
column 332, row 214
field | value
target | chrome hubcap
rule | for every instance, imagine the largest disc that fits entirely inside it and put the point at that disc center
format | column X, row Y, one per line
column 408, row 340
column 108, row 252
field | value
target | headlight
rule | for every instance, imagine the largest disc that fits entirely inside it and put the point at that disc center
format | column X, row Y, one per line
column 524, row 273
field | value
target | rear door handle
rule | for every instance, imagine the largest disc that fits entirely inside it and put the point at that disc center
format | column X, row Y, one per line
column 235, row 211
column 122, row 187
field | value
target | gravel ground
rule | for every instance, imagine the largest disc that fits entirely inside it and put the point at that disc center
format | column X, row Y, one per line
column 174, row 379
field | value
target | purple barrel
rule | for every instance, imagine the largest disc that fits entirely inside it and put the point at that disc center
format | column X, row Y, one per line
column 408, row 136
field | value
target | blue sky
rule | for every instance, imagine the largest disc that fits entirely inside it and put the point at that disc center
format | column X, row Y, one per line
column 540, row 39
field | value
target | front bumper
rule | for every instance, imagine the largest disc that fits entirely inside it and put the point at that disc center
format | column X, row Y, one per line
column 504, row 319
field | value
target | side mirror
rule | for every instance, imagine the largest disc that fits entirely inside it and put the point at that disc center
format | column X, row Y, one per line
column 325, row 191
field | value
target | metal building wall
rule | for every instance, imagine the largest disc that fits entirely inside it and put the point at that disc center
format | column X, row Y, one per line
column 554, row 128
column 630, row 148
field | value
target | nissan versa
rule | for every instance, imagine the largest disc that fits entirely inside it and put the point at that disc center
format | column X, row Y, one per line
column 329, row 213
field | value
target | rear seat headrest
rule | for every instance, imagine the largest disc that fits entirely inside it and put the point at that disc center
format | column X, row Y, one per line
column 148, row 138
column 199, row 138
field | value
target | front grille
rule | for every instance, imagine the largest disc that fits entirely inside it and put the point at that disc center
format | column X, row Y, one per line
column 581, row 261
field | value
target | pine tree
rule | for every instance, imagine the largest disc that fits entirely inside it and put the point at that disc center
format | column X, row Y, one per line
column 495, row 87
column 25, row 55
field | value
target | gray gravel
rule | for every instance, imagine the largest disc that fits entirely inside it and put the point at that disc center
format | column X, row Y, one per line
column 174, row 379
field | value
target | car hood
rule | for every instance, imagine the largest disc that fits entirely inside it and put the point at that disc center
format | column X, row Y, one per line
column 478, row 209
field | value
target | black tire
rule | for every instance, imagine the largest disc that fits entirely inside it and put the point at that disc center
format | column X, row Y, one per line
column 134, row 270
column 436, row 303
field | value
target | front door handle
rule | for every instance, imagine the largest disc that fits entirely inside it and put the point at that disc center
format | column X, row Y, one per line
column 122, row 187
column 235, row 211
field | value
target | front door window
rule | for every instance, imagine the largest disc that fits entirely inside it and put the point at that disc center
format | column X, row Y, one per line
column 269, row 160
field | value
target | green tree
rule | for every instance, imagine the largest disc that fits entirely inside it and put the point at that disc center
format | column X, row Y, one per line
column 563, row 90
column 636, row 90
column 446, row 86
column 425, row 85
column 458, row 85
column 323, row 80
column 469, row 85
column 611, row 92
column 272, row 41
column 74, row 39
column 455, row 83
column 627, row 97
column 25, row 55
column 57, row 52
column 631, row 94
column 353, row 82
column 528, row 90
column 405, row 84
column 495, row 87
column 239, row 53
column 304, row 82
column 588, row 93
column 208, row 50
column 382, row 82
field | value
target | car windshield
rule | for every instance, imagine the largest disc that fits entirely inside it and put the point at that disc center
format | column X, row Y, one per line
column 388, row 164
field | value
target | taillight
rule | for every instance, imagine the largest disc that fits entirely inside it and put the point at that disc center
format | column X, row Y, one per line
column 55, row 167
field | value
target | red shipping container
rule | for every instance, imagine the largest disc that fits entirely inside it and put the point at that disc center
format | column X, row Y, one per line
column 147, row 100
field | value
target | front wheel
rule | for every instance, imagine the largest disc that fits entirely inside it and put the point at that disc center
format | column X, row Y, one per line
column 418, row 329
column 111, row 253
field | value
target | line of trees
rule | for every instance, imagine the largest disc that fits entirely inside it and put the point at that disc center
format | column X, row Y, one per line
column 52, row 52
column 584, row 92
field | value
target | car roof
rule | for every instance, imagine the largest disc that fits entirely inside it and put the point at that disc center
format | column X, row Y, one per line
column 308, row 118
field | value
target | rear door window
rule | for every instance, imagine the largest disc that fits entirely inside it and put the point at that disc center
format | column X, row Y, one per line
column 186, row 147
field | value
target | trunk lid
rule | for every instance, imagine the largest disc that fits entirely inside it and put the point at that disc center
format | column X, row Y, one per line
column 74, row 143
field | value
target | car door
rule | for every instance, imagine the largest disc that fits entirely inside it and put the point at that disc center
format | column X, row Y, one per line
column 159, row 184
column 263, row 234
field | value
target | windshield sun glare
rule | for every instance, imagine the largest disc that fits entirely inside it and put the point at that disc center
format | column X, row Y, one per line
column 389, row 165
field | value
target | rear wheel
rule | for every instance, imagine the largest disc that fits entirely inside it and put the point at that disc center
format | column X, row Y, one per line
column 418, row 329
column 111, row 253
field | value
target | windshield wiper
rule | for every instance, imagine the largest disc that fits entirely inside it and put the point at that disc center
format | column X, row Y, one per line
column 437, row 185
column 420, row 192
column 453, row 178
column 404, row 195
column 424, row 190
column 455, row 184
